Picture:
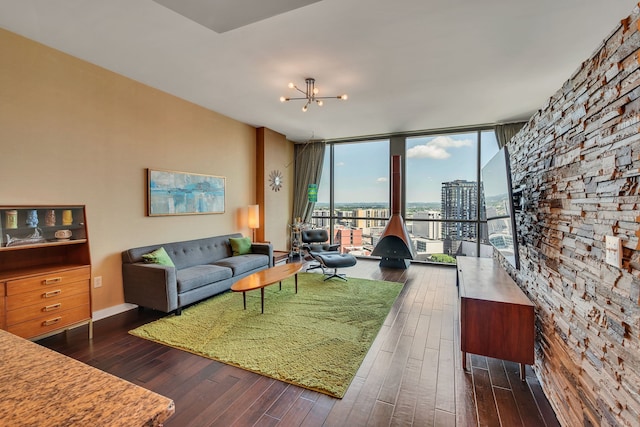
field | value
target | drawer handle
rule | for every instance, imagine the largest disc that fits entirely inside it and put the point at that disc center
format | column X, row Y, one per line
column 52, row 293
column 52, row 281
column 52, row 307
column 51, row 321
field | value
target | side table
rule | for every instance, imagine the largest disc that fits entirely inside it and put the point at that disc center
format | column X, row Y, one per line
column 280, row 257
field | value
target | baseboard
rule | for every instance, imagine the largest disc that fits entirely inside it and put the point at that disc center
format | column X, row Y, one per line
column 112, row 311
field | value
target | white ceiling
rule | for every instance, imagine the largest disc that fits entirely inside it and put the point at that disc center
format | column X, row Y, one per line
column 406, row 65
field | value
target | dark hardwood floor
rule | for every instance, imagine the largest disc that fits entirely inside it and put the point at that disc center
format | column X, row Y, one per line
column 412, row 375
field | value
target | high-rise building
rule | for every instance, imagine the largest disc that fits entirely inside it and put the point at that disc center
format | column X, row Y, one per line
column 349, row 239
column 459, row 202
column 345, row 218
column 321, row 218
column 427, row 229
column 372, row 216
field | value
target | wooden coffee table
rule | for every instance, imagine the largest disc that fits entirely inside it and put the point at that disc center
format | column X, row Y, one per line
column 264, row 278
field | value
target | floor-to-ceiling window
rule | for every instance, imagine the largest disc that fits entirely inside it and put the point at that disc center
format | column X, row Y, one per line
column 353, row 195
column 441, row 195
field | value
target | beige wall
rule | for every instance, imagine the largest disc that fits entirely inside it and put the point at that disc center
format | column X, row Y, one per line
column 71, row 132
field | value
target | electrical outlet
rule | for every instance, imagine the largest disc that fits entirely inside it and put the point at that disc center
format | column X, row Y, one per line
column 97, row 282
column 613, row 248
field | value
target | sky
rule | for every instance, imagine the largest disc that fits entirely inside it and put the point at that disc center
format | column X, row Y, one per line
column 362, row 169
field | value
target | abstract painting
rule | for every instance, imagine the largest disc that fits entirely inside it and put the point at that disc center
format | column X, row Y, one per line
column 181, row 193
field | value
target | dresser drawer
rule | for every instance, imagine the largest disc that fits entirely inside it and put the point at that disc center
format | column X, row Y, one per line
column 46, row 296
column 48, row 280
column 51, row 322
column 47, row 308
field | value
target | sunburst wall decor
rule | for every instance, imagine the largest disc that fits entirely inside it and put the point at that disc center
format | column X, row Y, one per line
column 275, row 180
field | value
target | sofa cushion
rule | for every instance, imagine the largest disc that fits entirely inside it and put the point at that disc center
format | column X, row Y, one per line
column 159, row 256
column 242, row 263
column 199, row 275
column 240, row 245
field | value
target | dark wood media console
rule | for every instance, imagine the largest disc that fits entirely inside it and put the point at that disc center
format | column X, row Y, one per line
column 496, row 317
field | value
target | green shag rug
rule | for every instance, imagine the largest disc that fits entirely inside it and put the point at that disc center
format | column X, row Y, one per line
column 316, row 338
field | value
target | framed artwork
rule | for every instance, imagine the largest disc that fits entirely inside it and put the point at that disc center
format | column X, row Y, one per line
column 181, row 193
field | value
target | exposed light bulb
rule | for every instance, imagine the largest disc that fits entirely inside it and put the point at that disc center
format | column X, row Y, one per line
column 310, row 94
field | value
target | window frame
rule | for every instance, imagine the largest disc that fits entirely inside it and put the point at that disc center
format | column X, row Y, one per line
column 397, row 145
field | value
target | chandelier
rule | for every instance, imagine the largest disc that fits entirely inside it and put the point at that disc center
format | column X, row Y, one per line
column 310, row 95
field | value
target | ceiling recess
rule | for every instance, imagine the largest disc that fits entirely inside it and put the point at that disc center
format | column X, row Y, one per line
column 226, row 15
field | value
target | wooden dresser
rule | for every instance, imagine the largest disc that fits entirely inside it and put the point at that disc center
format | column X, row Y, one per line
column 45, row 281
column 496, row 317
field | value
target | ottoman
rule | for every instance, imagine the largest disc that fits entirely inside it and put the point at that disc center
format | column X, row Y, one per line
column 335, row 261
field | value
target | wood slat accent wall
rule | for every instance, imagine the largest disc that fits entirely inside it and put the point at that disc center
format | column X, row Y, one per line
column 578, row 159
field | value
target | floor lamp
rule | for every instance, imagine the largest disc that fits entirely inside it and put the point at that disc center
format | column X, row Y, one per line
column 253, row 219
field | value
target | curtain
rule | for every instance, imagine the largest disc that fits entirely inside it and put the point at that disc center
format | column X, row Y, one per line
column 309, row 158
column 505, row 132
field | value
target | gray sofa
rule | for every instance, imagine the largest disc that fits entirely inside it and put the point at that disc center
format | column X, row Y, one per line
column 203, row 267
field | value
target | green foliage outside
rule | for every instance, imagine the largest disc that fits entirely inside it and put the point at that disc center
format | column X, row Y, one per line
column 447, row 259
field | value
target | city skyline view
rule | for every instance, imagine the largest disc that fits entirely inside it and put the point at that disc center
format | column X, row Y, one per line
column 443, row 195
column 430, row 161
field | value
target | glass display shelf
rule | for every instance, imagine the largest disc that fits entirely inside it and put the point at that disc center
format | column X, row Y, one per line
column 23, row 227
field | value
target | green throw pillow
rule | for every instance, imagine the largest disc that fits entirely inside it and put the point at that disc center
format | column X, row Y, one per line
column 159, row 256
column 240, row 245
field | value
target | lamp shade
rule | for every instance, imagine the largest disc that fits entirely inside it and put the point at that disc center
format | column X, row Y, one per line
column 253, row 217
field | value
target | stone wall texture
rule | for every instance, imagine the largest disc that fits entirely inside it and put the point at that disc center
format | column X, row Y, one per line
column 578, row 159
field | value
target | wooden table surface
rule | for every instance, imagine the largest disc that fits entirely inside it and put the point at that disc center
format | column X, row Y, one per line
column 485, row 279
column 266, row 277
column 279, row 256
